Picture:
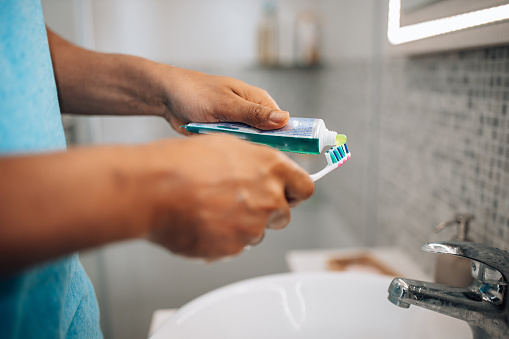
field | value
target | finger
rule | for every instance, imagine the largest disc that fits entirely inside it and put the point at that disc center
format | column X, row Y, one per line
column 178, row 125
column 256, row 95
column 299, row 190
column 256, row 115
column 279, row 219
column 257, row 241
column 224, row 245
column 298, row 184
column 252, row 233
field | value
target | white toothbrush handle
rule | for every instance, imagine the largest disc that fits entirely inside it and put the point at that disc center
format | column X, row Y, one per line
column 328, row 169
column 322, row 173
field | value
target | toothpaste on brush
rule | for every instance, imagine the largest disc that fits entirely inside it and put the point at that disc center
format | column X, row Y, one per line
column 300, row 135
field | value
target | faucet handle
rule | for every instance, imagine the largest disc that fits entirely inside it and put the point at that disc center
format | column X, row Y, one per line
column 462, row 220
column 492, row 258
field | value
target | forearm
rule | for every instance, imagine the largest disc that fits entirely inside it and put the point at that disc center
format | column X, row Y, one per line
column 52, row 205
column 98, row 83
column 203, row 197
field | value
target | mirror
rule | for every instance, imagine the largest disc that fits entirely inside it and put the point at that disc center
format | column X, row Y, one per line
column 408, row 6
column 432, row 25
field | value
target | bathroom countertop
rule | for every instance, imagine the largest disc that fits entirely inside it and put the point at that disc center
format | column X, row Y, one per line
column 319, row 261
column 159, row 318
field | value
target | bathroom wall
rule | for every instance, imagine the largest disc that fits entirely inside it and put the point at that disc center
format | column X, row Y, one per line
column 436, row 134
column 429, row 136
column 444, row 127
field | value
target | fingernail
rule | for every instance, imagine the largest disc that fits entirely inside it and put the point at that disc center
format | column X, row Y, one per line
column 278, row 220
column 278, row 117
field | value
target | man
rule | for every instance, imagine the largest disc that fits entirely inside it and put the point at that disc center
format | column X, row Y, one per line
column 205, row 197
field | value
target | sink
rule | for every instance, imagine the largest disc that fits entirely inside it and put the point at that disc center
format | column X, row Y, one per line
column 307, row 305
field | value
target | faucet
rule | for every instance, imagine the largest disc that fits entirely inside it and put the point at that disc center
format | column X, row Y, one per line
column 483, row 305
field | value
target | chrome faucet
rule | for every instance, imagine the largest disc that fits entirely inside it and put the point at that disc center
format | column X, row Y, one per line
column 483, row 305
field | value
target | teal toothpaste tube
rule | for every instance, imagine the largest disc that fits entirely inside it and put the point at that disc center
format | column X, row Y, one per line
column 300, row 135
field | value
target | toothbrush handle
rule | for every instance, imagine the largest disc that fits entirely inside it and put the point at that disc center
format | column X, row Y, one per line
column 329, row 168
column 322, row 173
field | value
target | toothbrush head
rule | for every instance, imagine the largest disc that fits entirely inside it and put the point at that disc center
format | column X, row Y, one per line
column 336, row 156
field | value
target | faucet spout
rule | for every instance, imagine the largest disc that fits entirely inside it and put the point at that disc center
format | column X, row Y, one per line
column 462, row 303
column 483, row 305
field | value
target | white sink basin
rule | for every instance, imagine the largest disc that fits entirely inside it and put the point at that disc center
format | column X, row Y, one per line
column 311, row 305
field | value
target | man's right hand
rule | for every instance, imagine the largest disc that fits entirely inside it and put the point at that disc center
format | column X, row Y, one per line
column 220, row 193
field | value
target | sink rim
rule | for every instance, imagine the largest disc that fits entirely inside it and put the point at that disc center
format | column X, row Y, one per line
column 240, row 287
column 287, row 281
column 219, row 292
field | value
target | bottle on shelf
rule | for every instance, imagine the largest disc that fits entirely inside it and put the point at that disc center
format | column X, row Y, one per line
column 306, row 36
column 268, row 36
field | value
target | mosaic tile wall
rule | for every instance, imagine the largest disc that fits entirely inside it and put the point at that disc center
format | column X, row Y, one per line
column 443, row 147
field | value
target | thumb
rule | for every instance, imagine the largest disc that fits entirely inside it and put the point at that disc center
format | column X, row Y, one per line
column 260, row 116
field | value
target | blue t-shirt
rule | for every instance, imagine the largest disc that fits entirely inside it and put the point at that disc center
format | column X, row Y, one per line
column 56, row 299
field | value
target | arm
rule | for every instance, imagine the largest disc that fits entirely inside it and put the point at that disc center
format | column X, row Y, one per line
column 203, row 197
column 97, row 83
column 206, row 206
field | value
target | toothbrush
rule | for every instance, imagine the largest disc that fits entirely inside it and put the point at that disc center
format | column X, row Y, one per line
column 336, row 157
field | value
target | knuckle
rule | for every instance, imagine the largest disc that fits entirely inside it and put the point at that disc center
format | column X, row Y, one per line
column 280, row 157
column 264, row 92
column 274, row 198
column 256, row 113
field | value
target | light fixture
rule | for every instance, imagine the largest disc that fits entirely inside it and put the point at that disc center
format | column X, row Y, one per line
column 398, row 34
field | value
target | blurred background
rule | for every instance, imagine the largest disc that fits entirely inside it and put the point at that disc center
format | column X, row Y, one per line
column 428, row 132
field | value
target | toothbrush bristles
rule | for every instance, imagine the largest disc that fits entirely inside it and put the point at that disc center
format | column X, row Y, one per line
column 335, row 156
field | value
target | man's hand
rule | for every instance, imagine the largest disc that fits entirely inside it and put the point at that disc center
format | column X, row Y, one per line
column 198, row 97
column 205, row 197
column 113, row 84
column 223, row 195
